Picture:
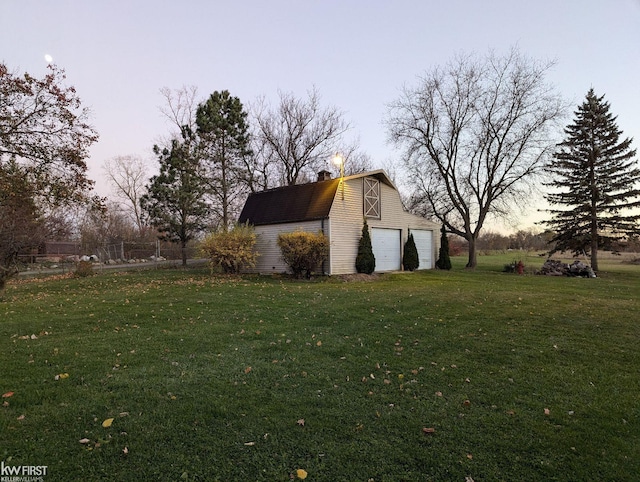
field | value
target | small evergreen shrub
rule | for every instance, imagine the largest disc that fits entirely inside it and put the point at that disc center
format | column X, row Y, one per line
column 410, row 260
column 232, row 250
column 444, row 260
column 365, row 260
column 303, row 252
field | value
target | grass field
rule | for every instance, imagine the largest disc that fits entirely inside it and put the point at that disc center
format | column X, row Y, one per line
column 459, row 375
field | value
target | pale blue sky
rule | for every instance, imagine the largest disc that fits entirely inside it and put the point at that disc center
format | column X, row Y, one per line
column 358, row 53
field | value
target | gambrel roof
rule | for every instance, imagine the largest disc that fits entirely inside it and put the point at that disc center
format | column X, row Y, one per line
column 290, row 204
column 297, row 203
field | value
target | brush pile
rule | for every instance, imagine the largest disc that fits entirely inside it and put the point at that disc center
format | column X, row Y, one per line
column 553, row 267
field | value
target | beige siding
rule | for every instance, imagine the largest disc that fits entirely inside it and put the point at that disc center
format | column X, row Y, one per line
column 346, row 219
column 270, row 259
column 345, row 222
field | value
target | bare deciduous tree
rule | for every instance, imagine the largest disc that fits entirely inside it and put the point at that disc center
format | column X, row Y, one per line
column 474, row 133
column 128, row 176
column 355, row 160
column 297, row 137
column 180, row 107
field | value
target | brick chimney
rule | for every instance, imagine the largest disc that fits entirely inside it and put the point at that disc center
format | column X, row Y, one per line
column 324, row 176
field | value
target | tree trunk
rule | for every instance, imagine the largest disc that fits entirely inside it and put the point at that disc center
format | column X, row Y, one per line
column 594, row 244
column 183, row 246
column 473, row 257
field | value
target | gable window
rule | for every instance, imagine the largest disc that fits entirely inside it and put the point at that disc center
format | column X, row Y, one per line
column 371, row 198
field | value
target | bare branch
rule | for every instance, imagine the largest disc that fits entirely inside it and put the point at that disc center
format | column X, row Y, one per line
column 475, row 134
column 128, row 176
column 298, row 136
column 180, row 107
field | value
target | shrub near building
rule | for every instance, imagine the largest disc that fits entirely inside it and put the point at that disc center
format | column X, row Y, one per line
column 303, row 252
column 231, row 250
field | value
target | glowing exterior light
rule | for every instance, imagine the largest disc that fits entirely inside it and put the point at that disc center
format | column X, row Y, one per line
column 338, row 161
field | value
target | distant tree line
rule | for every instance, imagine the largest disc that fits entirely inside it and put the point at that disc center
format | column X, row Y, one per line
column 535, row 241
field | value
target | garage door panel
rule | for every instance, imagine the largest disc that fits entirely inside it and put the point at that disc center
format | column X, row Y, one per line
column 424, row 245
column 386, row 248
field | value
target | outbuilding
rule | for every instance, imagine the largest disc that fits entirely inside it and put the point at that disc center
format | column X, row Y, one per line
column 338, row 208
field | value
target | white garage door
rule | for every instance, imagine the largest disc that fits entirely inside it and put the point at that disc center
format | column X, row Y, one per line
column 424, row 244
column 386, row 248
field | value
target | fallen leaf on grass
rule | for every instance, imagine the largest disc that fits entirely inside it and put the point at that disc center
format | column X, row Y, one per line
column 466, row 403
column 84, row 441
column 247, row 370
column 301, row 422
column 249, row 444
column 547, row 411
column 61, row 376
column 301, row 474
column 428, row 430
column 7, row 395
column 21, row 417
column 107, row 423
column 125, row 451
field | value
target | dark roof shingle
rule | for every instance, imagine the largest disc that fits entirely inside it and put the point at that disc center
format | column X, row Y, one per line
column 300, row 202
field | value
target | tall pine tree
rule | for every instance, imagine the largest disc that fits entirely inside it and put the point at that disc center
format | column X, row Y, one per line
column 175, row 202
column 596, row 176
column 224, row 145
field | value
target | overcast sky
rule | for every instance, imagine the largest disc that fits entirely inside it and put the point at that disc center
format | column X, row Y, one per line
column 357, row 53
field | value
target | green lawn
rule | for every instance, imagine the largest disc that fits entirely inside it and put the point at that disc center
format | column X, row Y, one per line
column 251, row 378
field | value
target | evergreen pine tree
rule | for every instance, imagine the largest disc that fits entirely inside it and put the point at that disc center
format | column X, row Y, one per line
column 365, row 260
column 444, row 261
column 410, row 260
column 596, row 176
column 223, row 135
column 174, row 202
